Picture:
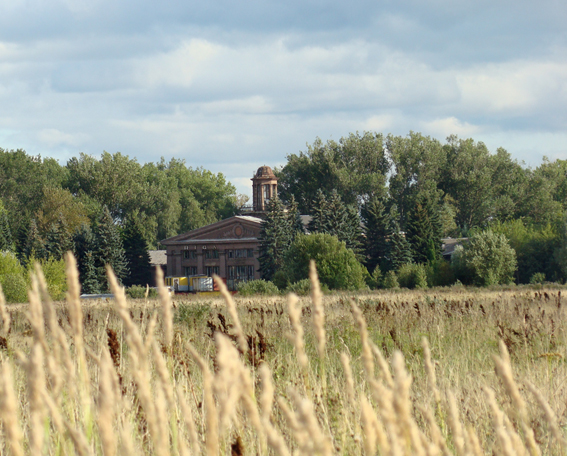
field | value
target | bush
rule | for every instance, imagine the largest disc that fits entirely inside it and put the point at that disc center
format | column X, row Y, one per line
column 337, row 265
column 303, row 287
column 13, row 278
column 375, row 280
column 139, row 292
column 538, row 277
column 258, row 287
column 411, row 275
column 440, row 274
column 390, row 280
column 490, row 259
column 54, row 272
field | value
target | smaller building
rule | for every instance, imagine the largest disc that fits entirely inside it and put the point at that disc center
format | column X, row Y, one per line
column 229, row 248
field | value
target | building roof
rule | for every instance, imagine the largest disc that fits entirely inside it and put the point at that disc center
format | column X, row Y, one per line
column 449, row 245
column 265, row 172
column 157, row 257
column 237, row 228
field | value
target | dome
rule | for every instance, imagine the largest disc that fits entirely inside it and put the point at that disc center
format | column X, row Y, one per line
column 266, row 172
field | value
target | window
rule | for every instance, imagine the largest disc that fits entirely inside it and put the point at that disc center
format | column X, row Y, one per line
column 250, row 253
column 190, row 270
column 266, row 193
column 230, row 253
column 210, row 270
column 189, row 254
column 211, row 254
column 241, row 253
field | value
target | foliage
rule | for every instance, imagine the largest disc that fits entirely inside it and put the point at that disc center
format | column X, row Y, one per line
column 376, row 279
column 136, row 254
column 89, row 276
column 139, row 292
column 355, row 166
column 54, row 273
column 276, row 236
column 258, row 287
column 337, row 265
column 440, row 273
column 377, row 233
column 13, row 278
column 424, row 231
column 538, row 277
column 6, row 239
column 110, row 250
column 333, row 217
column 490, row 259
column 412, row 275
column 399, row 250
column 390, row 280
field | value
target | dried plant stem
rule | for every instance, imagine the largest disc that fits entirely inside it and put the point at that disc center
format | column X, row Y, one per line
column 9, row 411
column 367, row 359
column 294, row 310
column 165, row 301
column 231, row 306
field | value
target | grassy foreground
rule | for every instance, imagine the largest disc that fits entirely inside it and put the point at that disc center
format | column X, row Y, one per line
column 427, row 372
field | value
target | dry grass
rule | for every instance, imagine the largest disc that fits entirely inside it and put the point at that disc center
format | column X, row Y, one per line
column 430, row 372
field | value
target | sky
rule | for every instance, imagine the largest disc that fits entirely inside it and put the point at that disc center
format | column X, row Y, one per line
column 231, row 86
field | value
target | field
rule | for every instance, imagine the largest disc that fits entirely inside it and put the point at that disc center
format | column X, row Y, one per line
column 453, row 371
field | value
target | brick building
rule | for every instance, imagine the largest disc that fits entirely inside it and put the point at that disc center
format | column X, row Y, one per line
column 228, row 248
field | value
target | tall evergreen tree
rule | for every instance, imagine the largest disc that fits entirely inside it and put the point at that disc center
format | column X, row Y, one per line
column 34, row 246
column 89, row 278
column 294, row 217
column 424, row 230
column 110, row 250
column 399, row 250
column 137, row 255
column 58, row 240
column 275, row 238
column 332, row 216
column 377, row 231
column 6, row 240
column 84, row 241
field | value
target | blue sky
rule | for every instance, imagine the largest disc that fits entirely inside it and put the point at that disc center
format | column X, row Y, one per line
column 231, row 86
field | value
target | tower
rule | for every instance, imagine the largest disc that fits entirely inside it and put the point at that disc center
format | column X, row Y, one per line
column 264, row 188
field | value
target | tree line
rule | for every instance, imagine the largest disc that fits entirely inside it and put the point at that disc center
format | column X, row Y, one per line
column 392, row 199
column 107, row 210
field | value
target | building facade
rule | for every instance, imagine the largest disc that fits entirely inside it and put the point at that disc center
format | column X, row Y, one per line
column 229, row 248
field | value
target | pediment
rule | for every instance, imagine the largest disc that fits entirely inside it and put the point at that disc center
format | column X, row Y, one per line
column 237, row 227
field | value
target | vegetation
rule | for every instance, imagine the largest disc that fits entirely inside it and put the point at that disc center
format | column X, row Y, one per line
column 258, row 287
column 338, row 267
column 460, row 374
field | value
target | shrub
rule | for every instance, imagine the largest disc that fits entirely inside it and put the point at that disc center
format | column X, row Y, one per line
column 54, row 272
column 303, row 287
column 13, row 278
column 258, row 287
column 440, row 274
column 375, row 280
column 538, row 277
column 190, row 313
column 390, row 280
column 139, row 292
column 411, row 275
column 337, row 265
column 490, row 259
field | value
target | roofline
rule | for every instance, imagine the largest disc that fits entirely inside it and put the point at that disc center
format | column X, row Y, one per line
column 245, row 219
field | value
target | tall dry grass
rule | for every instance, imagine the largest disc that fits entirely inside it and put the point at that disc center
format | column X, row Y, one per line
column 425, row 373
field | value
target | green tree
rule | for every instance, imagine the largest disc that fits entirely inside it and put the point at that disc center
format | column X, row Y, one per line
column 110, row 250
column 6, row 240
column 356, row 166
column 89, row 277
column 337, row 265
column 417, row 163
column 137, row 256
column 34, row 245
column 13, row 278
column 377, row 233
column 399, row 249
column 490, row 259
column 276, row 236
column 424, row 230
column 58, row 240
column 332, row 216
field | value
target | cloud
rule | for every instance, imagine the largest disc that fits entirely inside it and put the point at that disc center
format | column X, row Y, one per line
column 234, row 86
